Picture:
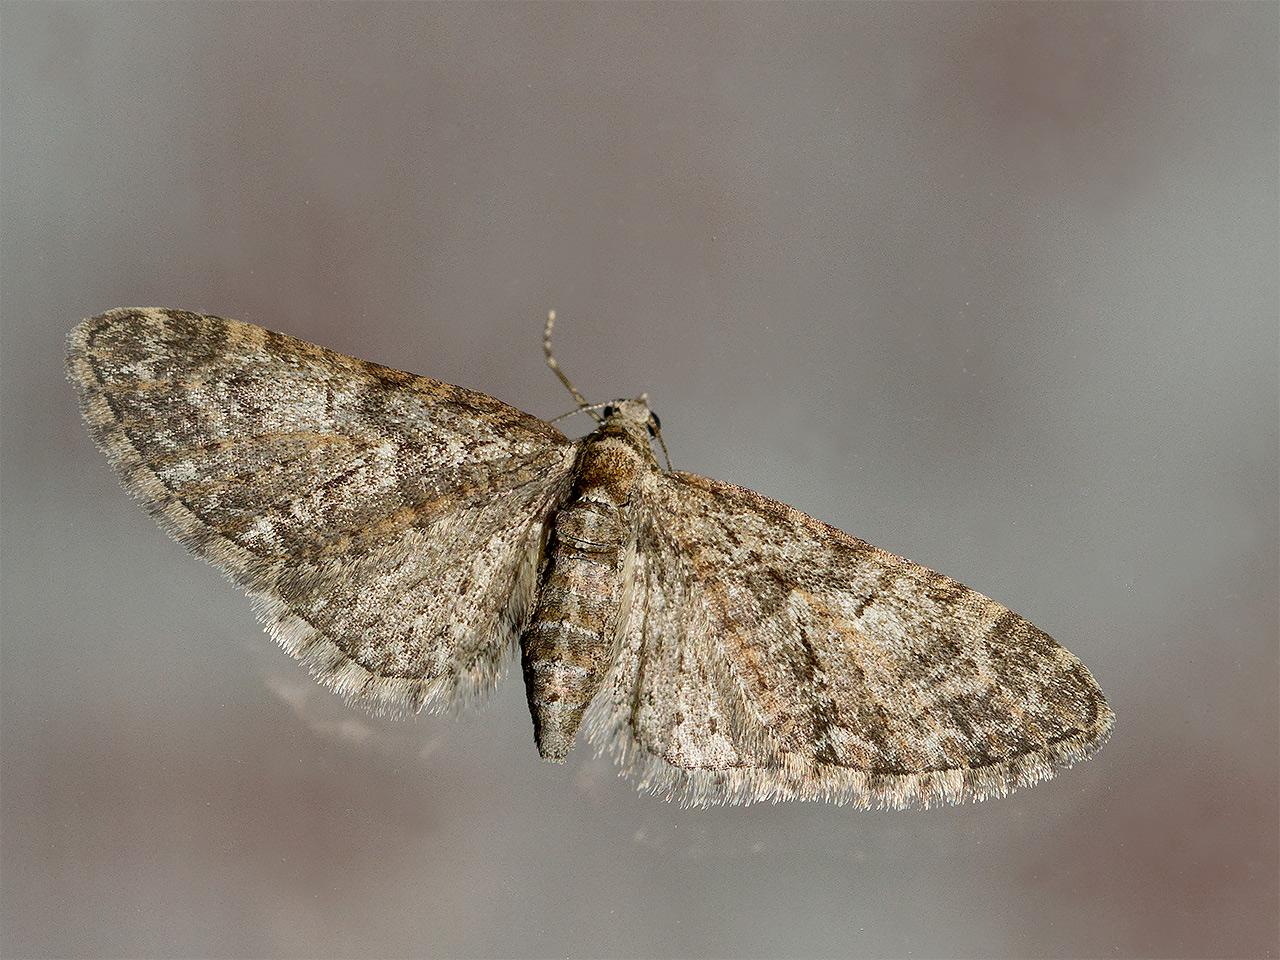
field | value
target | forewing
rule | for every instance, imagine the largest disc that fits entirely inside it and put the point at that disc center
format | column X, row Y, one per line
column 388, row 526
column 771, row 656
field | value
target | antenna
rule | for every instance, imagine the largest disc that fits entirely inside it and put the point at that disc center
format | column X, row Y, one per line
column 555, row 368
column 663, row 444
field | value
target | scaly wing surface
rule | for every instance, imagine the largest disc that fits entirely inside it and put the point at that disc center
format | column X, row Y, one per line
column 768, row 655
column 387, row 526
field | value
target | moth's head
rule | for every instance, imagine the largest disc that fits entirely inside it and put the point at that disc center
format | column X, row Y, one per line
column 633, row 416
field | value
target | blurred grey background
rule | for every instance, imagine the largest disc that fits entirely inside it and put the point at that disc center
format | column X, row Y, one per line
column 991, row 286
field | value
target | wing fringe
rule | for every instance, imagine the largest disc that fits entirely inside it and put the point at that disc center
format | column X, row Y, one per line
column 609, row 731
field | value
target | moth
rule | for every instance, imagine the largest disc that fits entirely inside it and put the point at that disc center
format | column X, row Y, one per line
column 402, row 537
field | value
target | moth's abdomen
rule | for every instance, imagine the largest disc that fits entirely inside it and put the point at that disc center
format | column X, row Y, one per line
column 568, row 644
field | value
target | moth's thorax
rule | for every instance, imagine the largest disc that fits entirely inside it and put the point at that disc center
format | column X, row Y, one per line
column 583, row 587
column 610, row 464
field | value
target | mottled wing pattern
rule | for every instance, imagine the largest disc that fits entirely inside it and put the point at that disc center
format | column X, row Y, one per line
column 388, row 526
column 768, row 655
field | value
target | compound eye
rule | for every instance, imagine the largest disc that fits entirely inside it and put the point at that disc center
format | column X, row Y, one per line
column 609, row 411
column 655, row 424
